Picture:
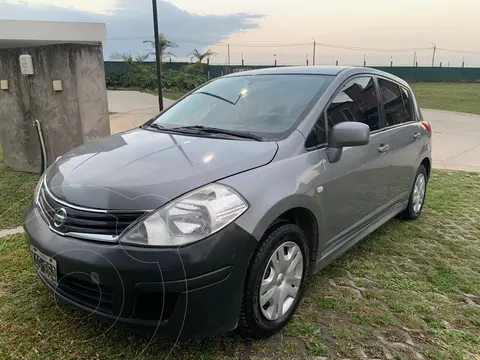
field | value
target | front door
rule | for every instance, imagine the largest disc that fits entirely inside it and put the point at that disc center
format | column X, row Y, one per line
column 358, row 187
column 404, row 138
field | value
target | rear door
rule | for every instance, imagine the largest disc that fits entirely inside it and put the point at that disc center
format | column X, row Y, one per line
column 358, row 189
column 404, row 134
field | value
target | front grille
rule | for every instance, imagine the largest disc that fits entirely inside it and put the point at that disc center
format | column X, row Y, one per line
column 82, row 221
column 94, row 296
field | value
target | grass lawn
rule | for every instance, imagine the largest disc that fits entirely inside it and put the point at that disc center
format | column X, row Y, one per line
column 462, row 97
column 173, row 95
column 16, row 190
column 411, row 290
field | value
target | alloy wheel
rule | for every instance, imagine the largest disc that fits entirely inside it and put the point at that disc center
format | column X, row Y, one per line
column 418, row 193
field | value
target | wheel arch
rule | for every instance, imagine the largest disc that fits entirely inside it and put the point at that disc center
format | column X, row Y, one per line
column 428, row 165
column 298, row 209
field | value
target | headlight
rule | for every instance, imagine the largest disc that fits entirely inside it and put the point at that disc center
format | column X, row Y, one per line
column 189, row 218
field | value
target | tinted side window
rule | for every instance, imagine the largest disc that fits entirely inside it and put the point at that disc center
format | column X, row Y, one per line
column 317, row 135
column 357, row 101
column 407, row 105
column 392, row 102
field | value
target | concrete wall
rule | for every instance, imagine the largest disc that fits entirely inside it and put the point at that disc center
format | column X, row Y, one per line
column 69, row 118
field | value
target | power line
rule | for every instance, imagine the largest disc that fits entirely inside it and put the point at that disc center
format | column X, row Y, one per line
column 356, row 48
column 204, row 42
column 460, row 51
column 334, row 46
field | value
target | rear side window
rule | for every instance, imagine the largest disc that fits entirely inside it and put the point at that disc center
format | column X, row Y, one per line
column 407, row 104
column 392, row 102
column 357, row 101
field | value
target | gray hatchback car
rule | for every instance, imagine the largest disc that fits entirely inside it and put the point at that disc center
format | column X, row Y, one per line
column 212, row 215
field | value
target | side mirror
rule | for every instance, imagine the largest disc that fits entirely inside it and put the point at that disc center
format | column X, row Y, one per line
column 346, row 134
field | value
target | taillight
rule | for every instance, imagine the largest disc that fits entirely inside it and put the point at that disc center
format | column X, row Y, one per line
column 427, row 126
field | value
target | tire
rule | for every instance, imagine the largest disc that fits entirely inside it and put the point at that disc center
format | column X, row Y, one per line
column 254, row 321
column 413, row 211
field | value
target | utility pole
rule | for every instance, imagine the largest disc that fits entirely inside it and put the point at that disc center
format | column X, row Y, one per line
column 463, row 61
column 314, row 48
column 364, row 60
column 414, row 58
column 229, row 58
column 157, row 55
column 243, row 62
column 434, row 51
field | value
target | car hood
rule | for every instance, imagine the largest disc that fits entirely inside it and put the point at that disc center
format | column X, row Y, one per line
column 142, row 170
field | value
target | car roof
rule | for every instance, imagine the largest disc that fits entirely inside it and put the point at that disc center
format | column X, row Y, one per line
column 318, row 70
column 315, row 70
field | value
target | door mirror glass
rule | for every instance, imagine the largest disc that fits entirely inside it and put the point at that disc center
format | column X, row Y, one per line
column 346, row 134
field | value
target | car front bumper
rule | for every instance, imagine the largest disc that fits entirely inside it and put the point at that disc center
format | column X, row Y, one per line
column 184, row 292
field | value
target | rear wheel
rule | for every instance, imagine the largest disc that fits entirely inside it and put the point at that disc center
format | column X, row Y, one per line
column 417, row 195
column 275, row 282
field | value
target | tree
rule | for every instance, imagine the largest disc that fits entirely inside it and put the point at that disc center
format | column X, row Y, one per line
column 127, row 57
column 165, row 44
column 198, row 65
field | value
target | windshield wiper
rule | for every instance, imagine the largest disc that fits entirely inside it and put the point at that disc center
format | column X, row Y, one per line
column 157, row 126
column 212, row 130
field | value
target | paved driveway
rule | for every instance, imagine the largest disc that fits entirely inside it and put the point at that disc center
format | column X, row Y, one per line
column 132, row 109
column 456, row 139
column 127, row 101
column 456, row 136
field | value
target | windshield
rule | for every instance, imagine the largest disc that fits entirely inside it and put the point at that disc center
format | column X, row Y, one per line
column 268, row 105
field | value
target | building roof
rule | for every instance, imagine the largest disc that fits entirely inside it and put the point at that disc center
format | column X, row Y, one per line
column 22, row 33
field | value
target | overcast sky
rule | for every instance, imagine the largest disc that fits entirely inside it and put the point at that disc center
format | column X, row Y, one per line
column 375, row 24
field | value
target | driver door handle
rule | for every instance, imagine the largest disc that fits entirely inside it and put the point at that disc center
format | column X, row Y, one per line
column 384, row 148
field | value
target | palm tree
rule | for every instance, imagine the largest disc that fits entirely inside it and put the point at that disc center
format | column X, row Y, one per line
column 165, row 44
column 198, row 66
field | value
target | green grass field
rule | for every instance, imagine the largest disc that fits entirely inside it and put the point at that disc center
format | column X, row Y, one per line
column 16, row 190
column 173, row 95
column 462, row 97
column 411, row 290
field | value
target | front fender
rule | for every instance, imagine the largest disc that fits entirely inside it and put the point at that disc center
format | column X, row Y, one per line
column 272, row 190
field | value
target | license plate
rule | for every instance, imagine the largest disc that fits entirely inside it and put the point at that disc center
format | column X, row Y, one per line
column 45, row 265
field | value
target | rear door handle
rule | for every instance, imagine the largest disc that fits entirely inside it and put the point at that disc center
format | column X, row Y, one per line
column 416, row 136
column 384, row 148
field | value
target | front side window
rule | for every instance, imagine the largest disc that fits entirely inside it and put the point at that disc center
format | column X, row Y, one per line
column 269, row 105
column 357, row 101
column 317, row 136
column 392, row 102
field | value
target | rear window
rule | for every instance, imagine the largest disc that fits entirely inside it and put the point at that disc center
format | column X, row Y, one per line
column 268, row 105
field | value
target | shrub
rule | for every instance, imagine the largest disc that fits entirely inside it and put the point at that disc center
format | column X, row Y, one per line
column 144, row 76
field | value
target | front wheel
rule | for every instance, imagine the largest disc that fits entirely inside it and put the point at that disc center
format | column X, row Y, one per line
column 417, row 195
column 275, row 282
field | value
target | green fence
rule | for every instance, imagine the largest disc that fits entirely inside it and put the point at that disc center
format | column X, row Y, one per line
column 407, row 73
